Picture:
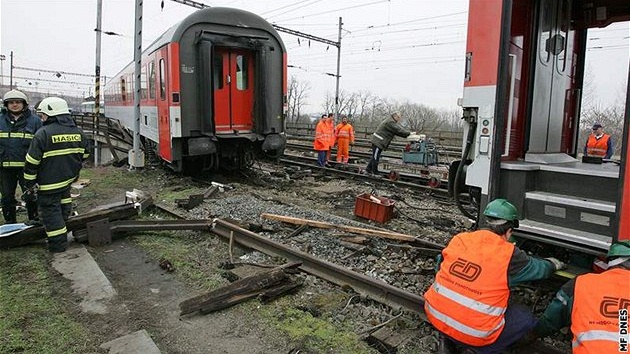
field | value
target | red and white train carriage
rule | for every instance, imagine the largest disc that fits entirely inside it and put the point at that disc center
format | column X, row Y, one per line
column 213, row 91
column 524, row 79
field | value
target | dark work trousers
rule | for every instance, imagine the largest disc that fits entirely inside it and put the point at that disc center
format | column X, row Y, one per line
column 518, row 322
column 54, row 210
column 9, row 179
column 372, row 166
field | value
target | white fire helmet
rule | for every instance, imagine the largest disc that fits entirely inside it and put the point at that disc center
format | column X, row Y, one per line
column 53, row 106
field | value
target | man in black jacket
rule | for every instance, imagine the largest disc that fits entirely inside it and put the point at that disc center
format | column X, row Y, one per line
column 53, row 162
column 386, row 131
column 17, row 127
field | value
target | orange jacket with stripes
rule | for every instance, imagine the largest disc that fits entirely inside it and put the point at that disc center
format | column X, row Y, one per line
column 597, row 302
column 470, row 294
column 345, row 131
column 597, row 147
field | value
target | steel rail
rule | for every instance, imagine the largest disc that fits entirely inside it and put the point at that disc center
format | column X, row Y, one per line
column 372, row 288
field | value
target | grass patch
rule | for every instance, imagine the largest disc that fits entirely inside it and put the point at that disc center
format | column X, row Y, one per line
column 183, row 250
column 316, row 335
column 32, row 315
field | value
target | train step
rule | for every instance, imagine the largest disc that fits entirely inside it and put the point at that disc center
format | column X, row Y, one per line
column 581, row 214
column 563, row 236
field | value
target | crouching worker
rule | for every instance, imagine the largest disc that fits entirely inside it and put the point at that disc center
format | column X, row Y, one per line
column 469, row 300
column 53, row 162
column 595, row 306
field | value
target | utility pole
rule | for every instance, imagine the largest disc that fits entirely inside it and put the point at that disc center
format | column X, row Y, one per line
column 2, row 59
column 338, row 69
column 97, row 77
column 11, row 73
column 136, row 157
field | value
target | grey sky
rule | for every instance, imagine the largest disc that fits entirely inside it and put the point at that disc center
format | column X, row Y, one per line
column 402, row 49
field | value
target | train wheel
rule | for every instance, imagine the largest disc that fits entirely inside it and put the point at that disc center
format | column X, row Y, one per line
column 393, row 175
column 434, row 182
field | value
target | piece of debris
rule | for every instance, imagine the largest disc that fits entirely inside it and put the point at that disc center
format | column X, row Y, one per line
column 80, row 183
column 192, row 201
column 239, row 291
column 167, row 265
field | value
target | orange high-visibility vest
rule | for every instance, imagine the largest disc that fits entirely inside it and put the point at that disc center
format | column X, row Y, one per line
column 322, row 136
column 470, row 294
column 345, row 131
column 597, row 302
column 597, row 147
column 331, row 131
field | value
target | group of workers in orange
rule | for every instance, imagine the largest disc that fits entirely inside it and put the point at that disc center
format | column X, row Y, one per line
column 327, row 136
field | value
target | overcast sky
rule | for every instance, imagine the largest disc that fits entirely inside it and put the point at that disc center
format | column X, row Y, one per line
column 402, row 49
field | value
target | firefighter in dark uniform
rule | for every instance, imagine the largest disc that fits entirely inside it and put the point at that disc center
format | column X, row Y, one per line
column 17, row 127
column 53, row 162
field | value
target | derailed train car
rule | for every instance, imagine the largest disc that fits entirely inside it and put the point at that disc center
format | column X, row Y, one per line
column 524, row 79
column 213, row 91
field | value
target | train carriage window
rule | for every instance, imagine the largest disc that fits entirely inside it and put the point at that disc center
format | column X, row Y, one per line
column 152, row 80
column 217, row 71
column 544, row 31
column 143, row 83
column 162, row 80
column 564, row 19
column 241, row 72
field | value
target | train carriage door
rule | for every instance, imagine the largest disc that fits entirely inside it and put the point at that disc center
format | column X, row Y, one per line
column 552, row 98
column 164, row 125
column 233, row 71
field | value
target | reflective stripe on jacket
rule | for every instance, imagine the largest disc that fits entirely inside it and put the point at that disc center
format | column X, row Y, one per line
column 322, row 136
column 345, row 131
column 56, row 155
column 470, row 294
column 597, row 147
column 16, row 136
column 595, row 314
column 386, row 131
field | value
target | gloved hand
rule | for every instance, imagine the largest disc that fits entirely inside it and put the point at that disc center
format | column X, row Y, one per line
column 557, row 264
column 29, row 195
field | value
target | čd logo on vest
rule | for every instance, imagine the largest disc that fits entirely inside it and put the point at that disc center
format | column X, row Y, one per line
column 464, row 269
column 610, row 306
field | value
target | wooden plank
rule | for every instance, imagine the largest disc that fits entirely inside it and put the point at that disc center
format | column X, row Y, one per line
column 352, row 229
column 237, row 291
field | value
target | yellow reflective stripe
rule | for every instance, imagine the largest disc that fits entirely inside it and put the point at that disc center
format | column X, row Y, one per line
column 31, row 160
column 29, row 177
column 12, row 164
column 66, row 200
column 61, row 152
column 85, row 156
column 16, row 135
column 56, row 232
column 48, row 187
column 66, row 138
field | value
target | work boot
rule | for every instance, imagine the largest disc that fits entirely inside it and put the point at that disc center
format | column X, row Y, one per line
column 31, row 211
column 58, row 244
column 10, row 215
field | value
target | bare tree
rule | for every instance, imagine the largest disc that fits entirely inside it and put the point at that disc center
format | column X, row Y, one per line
column 297, row 95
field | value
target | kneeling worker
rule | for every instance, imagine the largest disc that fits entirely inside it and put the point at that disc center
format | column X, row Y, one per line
column 594, row 305
column 53, row 162
column 468, row 302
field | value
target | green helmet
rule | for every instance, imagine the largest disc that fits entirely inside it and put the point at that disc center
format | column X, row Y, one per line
column 619, row 249
column 501, row 209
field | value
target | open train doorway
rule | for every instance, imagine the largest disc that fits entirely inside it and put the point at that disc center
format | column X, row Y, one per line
column 233, row 90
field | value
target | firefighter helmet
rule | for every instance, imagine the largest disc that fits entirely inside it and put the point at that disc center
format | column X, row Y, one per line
column 14, row 95
column 53, row 106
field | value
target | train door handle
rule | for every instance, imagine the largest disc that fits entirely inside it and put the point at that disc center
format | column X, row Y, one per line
column 228, row 79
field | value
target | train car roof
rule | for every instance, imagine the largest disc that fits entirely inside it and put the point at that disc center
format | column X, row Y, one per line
column 213, row 15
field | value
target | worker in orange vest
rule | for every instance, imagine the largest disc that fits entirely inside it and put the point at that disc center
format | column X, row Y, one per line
column 331, row 135
column 345, row 137
column 595, row 306
column 321, row 144
column 468, row 301
column 599, row 143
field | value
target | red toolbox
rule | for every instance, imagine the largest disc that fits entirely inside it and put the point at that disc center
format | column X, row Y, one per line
column 373, row 207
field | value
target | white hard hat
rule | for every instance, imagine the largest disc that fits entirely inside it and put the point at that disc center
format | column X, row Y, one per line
column 53, row 106
column 15, row 95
